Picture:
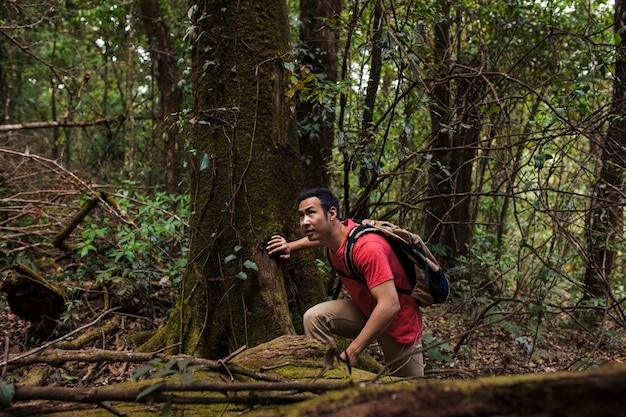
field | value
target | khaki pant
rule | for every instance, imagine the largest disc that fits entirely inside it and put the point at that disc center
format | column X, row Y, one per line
column 343, row 318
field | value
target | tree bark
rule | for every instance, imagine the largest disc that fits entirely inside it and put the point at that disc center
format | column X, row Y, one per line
column 245, row 179
column 453, row 148
column 161, row 51
column 440, row 184
column 319, row 42
column 607, row 202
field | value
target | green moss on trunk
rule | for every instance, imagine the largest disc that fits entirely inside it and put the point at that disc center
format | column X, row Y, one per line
column 244, row 128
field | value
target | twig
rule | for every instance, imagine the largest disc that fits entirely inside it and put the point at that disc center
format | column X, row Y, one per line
column 6, row 356
column 110, row 409
column 52, row 343
column 269, row 368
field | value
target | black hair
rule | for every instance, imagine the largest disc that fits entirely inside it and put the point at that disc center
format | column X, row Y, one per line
column 326, row 197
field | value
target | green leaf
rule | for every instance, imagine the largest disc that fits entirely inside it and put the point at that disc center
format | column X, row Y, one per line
column 204, row 162
column 528, row 185
column 149, row 390
column 446, row 347
column 7, row 391
column 170, row 364
column 186, row 379
column 242, row 276
column 427, row 338
column 142, row 371
column 238, row 248
column 192, row 11
column 229, row 258
column 540, row 159
column 434, row 355
column 290, row 66
column 251, row 265
column 166, row 408
column 183, row 363
column 165, row 372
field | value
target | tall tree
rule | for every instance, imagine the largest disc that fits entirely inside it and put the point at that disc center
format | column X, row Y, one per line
column 438, row 210
column 607, row 202
column 319, row 36
column 161, row 50
column 245, row 178
column 455, row 130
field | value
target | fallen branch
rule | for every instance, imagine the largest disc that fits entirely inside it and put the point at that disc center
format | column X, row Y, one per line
column 99, row 196
column 57, row 357
column 165, row 393
column 56, row 123
column 83, row 340
column 45, row 346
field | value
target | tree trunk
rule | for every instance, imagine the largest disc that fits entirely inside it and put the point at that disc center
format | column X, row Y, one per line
column 448, row 219
column 607, row 204
column 245, row 180
column 440, row 184
column 161, row 51
column 367, row 176
column 319, row 38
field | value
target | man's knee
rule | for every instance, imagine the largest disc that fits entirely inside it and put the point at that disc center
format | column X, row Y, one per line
column 311, row 318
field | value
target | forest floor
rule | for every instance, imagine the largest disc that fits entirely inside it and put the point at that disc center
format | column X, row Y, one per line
column 456, row 345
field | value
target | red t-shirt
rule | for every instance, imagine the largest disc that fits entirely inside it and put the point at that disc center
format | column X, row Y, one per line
column 376, row 261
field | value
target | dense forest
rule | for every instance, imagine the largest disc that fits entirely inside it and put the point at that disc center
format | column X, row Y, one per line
column 148, row 149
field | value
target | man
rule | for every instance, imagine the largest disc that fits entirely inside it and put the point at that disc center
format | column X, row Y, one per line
column 375, row 311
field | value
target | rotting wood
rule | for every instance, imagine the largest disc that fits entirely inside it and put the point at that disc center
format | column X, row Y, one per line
column 33, row 298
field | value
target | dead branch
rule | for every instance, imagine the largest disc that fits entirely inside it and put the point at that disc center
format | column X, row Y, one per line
column 56, row 123
column 82, row 341
column 45, row 346
column 57, row 357
column 100, row 196
column 164, row 393
column 59, row 239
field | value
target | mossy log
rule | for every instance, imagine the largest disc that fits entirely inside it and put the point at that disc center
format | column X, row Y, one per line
column 297, row 388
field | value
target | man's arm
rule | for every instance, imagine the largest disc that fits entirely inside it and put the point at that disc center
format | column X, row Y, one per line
column 279, row 246
column 387, row 307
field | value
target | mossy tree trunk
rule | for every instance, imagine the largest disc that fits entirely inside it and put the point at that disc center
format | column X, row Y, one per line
column 245, row 179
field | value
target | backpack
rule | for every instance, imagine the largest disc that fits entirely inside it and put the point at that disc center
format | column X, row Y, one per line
column 429, row 283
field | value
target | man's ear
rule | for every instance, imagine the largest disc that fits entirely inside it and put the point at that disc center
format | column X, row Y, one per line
column 332, row 213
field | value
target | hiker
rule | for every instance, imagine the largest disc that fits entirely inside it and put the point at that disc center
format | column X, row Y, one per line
column 373, row 312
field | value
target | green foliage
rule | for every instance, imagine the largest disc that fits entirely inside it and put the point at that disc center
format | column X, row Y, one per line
column 7, row 391
column 541, row 112
column 245, row 265
column 143, row 246
column 158, row 370
column 437, row 355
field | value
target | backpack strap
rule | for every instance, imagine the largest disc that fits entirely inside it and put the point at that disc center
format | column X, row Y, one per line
column 353, row 235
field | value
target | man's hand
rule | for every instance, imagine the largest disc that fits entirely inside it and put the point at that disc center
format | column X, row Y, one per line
column 279, row 247
column 348, row 359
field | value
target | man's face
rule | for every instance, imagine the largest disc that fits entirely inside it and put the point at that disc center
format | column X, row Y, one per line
column 314, row 222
